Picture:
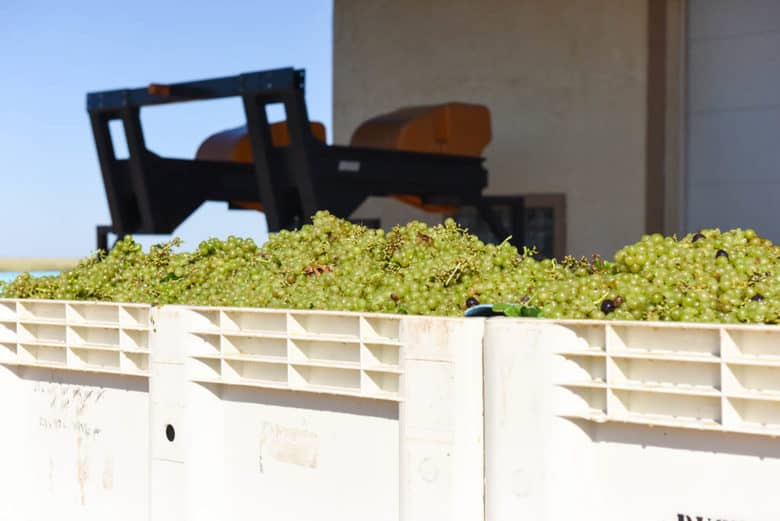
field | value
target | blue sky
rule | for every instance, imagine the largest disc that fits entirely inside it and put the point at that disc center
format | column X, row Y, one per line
column 52, row 53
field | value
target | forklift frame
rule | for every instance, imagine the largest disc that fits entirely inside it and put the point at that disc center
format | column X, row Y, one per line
column 150, row 194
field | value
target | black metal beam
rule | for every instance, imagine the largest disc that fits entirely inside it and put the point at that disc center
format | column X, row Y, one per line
column 260, row 142
column 138, row 159
column 386, row 172
column 300, row 151
column 106, row 159
column 253, row 82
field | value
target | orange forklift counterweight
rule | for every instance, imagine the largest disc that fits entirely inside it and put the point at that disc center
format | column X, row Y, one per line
column 459, row 129
column 233, row 145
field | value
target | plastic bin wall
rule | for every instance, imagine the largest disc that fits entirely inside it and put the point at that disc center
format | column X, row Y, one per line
column 297, row 415
column 178, row 413
column 75, row 407
column 615, row 421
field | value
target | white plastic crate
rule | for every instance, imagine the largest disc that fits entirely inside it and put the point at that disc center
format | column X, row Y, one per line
column 313, row 415
column 614, row 421
column 181, row 413
column 75, row 411
column 185, row 413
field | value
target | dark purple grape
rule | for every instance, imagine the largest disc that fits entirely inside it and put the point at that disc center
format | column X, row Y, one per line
column 697, row 237
column 607, row 306
column 471, row 302
column 619, row 301
column 721, row 253
column 758, row 297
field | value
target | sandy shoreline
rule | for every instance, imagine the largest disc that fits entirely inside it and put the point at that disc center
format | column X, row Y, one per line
column 36, row 264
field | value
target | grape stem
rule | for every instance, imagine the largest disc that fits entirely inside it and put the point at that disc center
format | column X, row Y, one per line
column 602, row 297
column 454, row 271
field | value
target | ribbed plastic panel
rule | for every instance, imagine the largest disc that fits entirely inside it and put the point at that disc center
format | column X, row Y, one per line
column 710, row 377
column 334, row 353
column 87, row 337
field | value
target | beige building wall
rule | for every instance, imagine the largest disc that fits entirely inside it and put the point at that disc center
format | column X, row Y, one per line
column 564, row 80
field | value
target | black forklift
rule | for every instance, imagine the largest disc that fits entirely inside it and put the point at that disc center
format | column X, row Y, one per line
column 428, row 157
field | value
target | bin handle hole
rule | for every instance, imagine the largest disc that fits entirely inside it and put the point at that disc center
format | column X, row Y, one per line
column 170, row 432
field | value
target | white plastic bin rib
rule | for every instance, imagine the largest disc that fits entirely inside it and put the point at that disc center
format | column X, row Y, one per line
column 75, row 411
column 442, row 441
column 613, row 421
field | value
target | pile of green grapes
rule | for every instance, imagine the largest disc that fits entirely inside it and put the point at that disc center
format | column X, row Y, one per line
column 332, row 264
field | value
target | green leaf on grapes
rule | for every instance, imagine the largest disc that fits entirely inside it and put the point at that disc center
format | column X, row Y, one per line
column 517, row 310
column 504, row 308
column 531, row 311
column 170, row 276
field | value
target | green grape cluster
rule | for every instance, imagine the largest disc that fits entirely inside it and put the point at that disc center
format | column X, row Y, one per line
column 333, row 264
column 708, row 276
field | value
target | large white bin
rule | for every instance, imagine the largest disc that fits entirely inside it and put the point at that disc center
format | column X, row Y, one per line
column 296, row 415
column 74, row 434
column 129, row 412
column 180, row 413
column 615, row 421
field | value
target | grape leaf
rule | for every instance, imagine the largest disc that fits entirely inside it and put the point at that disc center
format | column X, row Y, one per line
column 517, row 310
column 170, row 276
